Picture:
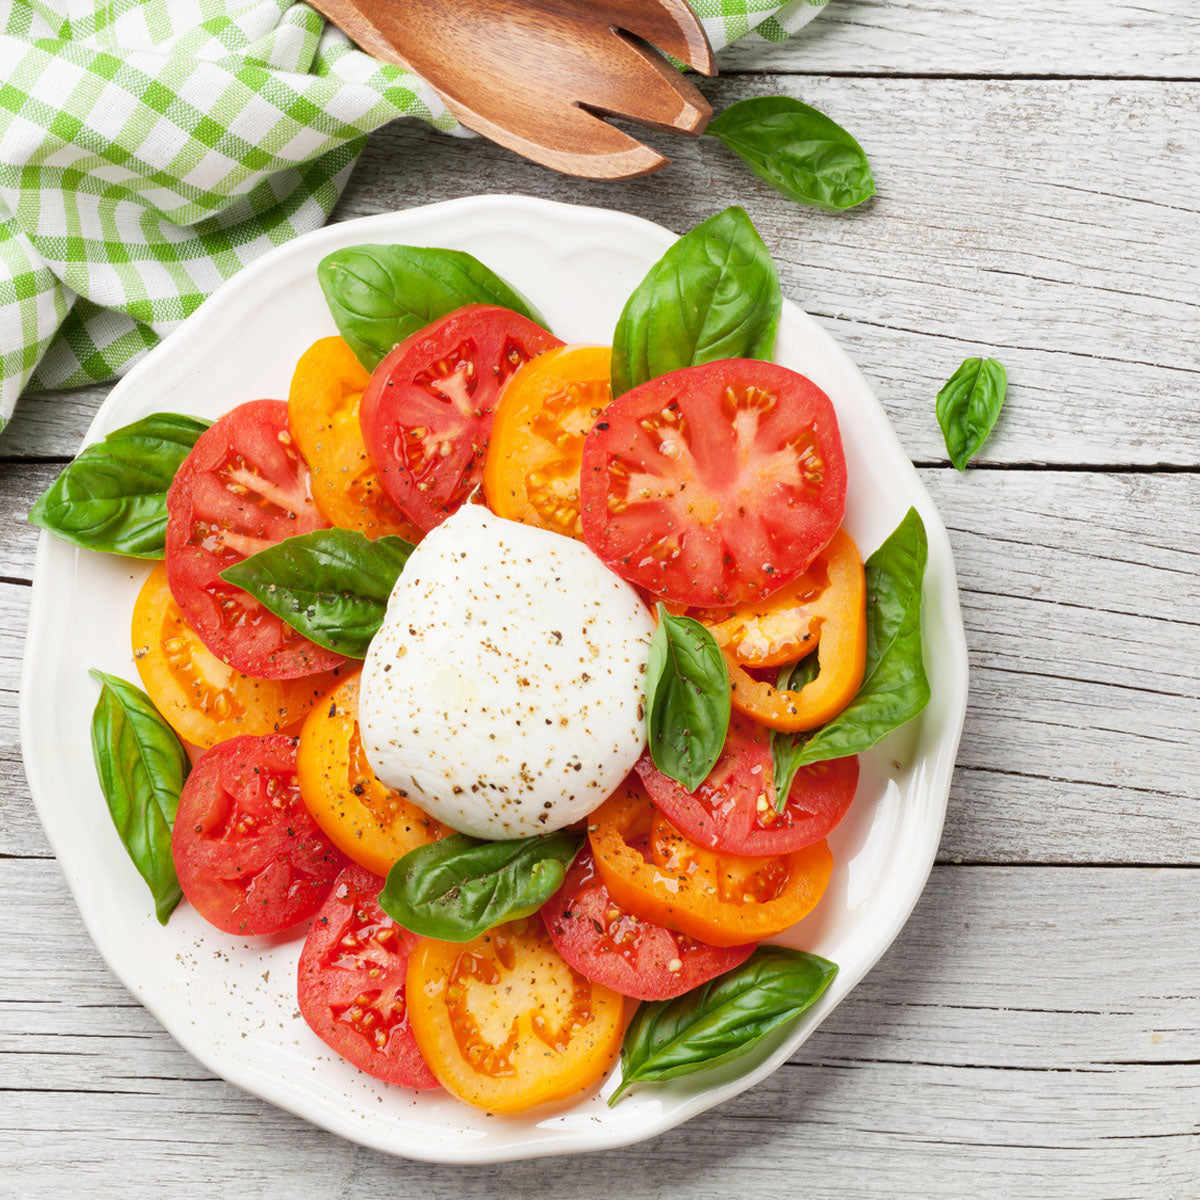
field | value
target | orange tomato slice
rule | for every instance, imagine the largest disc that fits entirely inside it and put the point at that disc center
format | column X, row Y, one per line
column 826, row 609
column 323, row 403
column 653, row 871
column 367, row 821
column 531, row 473
column 205, row 700
column 505, row 1023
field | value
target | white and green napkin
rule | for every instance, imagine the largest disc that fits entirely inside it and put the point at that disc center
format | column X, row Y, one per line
column 149, row 149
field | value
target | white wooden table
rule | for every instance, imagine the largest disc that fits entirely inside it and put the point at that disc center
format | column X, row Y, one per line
column 1035, row 1031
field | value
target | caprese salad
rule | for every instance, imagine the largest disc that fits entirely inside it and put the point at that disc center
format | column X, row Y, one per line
column 523, row 681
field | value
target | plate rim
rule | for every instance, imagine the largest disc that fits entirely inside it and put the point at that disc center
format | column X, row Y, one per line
column 951, row 638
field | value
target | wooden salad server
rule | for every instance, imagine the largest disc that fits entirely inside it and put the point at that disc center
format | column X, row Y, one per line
column 539, row 76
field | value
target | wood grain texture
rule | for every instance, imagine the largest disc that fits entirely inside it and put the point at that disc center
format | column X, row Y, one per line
column 1053, row 224
column 1118, row 38
column 991, row 1046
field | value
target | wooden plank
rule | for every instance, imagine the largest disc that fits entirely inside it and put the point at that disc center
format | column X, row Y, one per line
column 20, row 486
column 1041, row 227
column 965, row 1058
column 1080, row 598
column 1002, row 37
column 1052, row 223
column 864, row 1131
column 20, row 831
column 1081, row 601
column 50, row 424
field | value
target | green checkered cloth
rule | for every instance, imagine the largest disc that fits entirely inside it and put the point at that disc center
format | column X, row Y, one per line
column 149, row 149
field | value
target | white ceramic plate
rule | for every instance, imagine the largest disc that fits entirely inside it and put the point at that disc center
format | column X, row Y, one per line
column 232, row 1003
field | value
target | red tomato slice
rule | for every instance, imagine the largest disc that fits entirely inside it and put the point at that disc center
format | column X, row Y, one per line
column 714, row 485
column 249, row 857
column 634, row 957
column 351, row 982
column 243, row 487
column 427, row 413
column 733, row 810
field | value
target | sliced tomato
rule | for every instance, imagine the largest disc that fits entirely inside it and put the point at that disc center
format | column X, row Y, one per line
column 827, row 603
column 532, row 468
column 427, row 413
column 652, row 870
column 205, row 700
column 249, row 857
column 634, row 957
column 824, row 611
column 323, row 405
column 351, row 982
column 733, row 810
column 243, row 487
column 714, row 485
column 368, row 822
column 505, row 1023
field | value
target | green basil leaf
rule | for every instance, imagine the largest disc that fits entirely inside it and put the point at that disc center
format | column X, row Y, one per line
column 142, row 767
column 331, row 585
column 797, row 150
column 461, row 887
column 379, row 295
column 113, row 497
column 715, row 294
column 894, row 687
column 687, row 699
column 792, row 678
column 723, row 1019
column 171, row 428
column 969, row 405
column 795, row 676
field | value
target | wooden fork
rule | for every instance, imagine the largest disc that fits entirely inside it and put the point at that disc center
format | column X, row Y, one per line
column 540, row 76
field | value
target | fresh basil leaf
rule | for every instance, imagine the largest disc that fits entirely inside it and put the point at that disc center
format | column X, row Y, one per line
column 969, row 406
column 172, row 428
column 142, row 767
column 795, row 676
column 113, row 497
column 797, row 150
column 894, row 687
column 461, row 887
column 714, row 294
column 723, row 1019
column 379, row 295
column 687, row 699
column 792, row 678
column 332, row 585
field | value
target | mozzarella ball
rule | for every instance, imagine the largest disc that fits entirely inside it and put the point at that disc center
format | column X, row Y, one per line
column 504, row 691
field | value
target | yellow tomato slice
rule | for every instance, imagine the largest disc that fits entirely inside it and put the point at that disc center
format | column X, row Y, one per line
column 531, row 473
column 323, row 402
column 505, row 1024
column 205, row 700
column 824, row 609
column 654, row 872
column 367, row 821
